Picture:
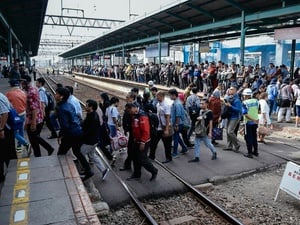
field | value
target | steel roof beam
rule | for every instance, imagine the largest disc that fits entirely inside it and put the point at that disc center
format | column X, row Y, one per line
column 181, row 18
column 229, row 22
column 73, row 21
column 162, row 22
column 10, row 29
column 202, row 11
column 238, row 6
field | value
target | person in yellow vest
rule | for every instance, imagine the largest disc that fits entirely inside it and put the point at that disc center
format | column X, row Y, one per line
column 250, row 113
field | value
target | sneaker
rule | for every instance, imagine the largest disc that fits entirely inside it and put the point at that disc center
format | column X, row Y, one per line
column 88, row 175
column 184, row 152
column 166, row 161
column 19, row 149
column 215, row 143
column 214, row 156
column 28, row 150
column 133, row 177
column 248, row 155
column 175, row 155
column 196, row 159
column 104, row 174
column 154, row 175
column 51, row 151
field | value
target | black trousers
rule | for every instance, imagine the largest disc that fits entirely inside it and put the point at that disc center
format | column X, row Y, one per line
column 130, row 152
column 36, row 140
column 140, row 159
column 48, row 122
column 251, row 138
column 8, row 150
column 167, row 141
column 74, row 143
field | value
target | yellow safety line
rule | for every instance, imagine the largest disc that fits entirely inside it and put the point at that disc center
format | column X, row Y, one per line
column 20, row 202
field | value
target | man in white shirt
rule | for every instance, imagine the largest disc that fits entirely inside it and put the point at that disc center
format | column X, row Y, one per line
column 163, row 113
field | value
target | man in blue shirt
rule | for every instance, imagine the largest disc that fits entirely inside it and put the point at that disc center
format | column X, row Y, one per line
column 70, row 134
column 177, row 117
column 235, row 105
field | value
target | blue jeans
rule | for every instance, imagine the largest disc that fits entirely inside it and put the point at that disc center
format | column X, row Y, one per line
column 19, row 134
column 272, row 104
column 177, row 139
column 207, row 143
column 112, row 130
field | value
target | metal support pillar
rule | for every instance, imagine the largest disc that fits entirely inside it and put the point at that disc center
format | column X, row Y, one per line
column 159, row 49
column 17, row 52
column 293, row 50
column 243, row 34
column 103, row 58
column 9, row 43
column 123, row 54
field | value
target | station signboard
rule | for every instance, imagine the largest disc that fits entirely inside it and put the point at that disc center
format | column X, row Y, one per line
column 287, row 33
column 152, row 50
column 290, row 182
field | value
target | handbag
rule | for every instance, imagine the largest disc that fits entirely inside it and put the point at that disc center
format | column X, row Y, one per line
column 119, row 141
column 217, row 133
column 262, row 130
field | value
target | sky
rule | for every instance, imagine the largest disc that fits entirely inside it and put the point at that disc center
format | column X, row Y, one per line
column 101, row 9
column 104, row 9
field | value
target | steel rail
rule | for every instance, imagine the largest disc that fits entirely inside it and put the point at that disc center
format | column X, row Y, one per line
column 219, row 210
column 131, row 193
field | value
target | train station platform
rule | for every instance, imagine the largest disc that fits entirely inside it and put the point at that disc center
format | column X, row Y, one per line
column 44, row 190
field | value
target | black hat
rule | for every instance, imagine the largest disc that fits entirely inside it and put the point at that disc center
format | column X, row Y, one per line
column 26, row 78
column 286, row 80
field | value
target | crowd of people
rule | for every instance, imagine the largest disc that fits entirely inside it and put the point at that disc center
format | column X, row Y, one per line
column 234, row 98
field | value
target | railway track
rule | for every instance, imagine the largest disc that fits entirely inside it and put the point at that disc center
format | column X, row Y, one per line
column 219, row 211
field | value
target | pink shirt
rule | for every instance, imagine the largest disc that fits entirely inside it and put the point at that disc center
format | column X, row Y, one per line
column 33, row 103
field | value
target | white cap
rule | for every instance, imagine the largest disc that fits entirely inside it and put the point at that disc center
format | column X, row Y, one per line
column 150, row 83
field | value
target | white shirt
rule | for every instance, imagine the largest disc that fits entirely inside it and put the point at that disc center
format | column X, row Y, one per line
column 163, row 109
column 111, row 112
column 264, row 109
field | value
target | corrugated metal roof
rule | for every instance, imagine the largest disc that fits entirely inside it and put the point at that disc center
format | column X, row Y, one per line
column 195, row 20
column 26, row 19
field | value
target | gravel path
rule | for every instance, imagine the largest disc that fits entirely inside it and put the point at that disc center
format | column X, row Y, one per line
column 251, row 199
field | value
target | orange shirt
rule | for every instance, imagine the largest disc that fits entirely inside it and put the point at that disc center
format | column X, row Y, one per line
column 17, row 98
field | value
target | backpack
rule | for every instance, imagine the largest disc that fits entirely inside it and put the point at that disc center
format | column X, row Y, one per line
column 154, row 122
column 51, row 101
column 226, row 112
column 194, row 111
column 13, row 120
column 186, row 121
column 200, row 128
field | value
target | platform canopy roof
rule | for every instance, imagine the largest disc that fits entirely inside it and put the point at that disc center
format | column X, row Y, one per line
column 194, row 21
column 25, row 18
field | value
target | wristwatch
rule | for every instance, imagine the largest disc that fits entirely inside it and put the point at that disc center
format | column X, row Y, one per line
column 2, row 129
